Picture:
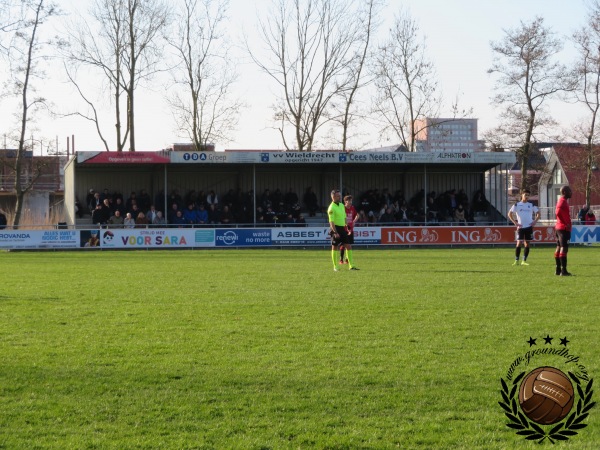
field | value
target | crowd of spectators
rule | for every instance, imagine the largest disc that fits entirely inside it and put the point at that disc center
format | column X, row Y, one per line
column 275, row 208
column 451, row 206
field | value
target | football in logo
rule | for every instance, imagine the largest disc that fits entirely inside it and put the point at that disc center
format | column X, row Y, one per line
column 546, row 395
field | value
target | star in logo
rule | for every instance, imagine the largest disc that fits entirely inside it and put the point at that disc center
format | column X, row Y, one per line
column 548, row 339
column 531, row 341
column 564, row 341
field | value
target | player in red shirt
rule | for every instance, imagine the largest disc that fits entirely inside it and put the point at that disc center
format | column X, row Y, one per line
column 563, row 231
column 351, row 218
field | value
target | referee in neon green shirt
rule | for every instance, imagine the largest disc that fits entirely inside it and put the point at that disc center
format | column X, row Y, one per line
column 338, row 231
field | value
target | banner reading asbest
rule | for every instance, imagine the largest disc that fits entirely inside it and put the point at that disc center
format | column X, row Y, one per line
column 459, row 235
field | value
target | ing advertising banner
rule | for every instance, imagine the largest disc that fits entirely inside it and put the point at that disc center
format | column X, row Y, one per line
column 459, row 235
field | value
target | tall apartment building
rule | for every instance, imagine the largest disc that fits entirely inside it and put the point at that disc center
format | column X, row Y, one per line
column 447, row 135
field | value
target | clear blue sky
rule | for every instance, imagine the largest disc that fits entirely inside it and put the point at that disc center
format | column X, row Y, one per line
column 458, row 34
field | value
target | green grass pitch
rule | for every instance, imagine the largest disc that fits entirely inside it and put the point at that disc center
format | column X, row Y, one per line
column 270, row 349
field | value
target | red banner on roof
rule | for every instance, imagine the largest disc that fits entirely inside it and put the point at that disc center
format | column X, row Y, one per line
column 123, row 158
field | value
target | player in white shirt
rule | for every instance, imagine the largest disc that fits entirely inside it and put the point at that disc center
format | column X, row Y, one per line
column 524, row 215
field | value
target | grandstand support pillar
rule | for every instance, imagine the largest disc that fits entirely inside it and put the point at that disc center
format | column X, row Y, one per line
column 341, row 180
column 254, row 194
column 165, row 194
column 425, row 190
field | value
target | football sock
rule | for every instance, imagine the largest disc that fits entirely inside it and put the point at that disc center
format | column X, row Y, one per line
column 557, row 260
column 563, row 261
column 526, row 254
column 517, row 253
column 342, row 251
column 350, row 259
column 335, row 257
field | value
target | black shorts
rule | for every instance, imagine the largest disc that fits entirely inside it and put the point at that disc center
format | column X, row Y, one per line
column 342, row 237
column 562, row 238
column 350, row 237
column 525, row 234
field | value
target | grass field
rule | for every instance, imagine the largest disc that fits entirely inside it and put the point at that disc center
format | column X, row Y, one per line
column 271, row 349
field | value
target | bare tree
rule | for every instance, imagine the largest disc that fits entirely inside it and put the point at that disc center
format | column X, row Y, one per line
column 356, row 68
column 407, row 87
column 205, row 109
column 309, row 45
column 121, row 45
column 528, row 76
column 587, row 91
column 26, row 52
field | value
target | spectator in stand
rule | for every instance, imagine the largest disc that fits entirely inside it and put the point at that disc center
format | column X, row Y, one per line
column 403, row 215
column 151, row 214
column 94, row 202
column 291, row 198
column 214, row 217
column 159, row 220
column 460, row 215
column 143, row 200
column 432, row 208
column 480, row 204
column 226, row 216
column 230, row 199
column 265, row 199
column 462, row 197
column 116, row 220
column 387, row 217
column 201, row 199
column 105, row 194
column 178, row 220
column 212, row 199
column 582, row 213
column 202, row 215
column 173, row 212
column 295, row 210
column 107, row 207
column 135, row 211
column 119, row 206
column 129, row 221
column 287, row 221
column 88, row 200
column 310, row 200
column 117, row 195
column 386, row 197
column 190, row 215
column 130, row 201
column 3, row 219
column 399, row 196
column 301, row 221
column 141, row 221
column 590, row 217
column 277, row 198
column 174, row 197
column 362, row 218
column 371, row 217
column 270, row 216
column 97, row 215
